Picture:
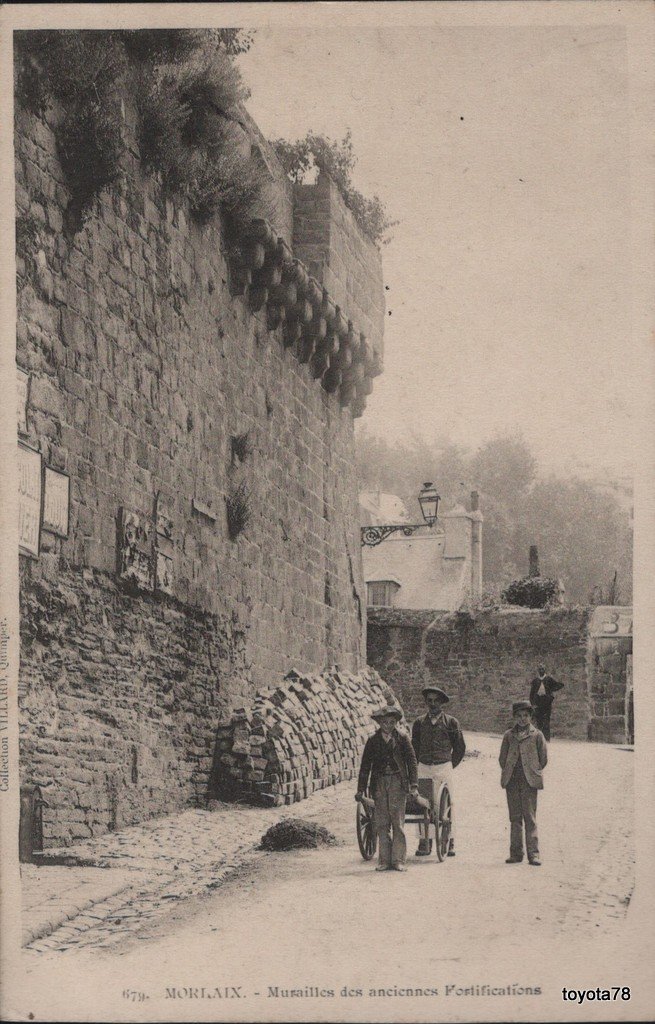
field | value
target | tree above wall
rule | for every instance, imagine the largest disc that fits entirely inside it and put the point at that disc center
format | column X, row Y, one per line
column 338, row 160
column 583, row 532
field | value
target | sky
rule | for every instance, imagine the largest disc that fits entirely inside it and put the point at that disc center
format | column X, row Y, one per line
column 503, row 153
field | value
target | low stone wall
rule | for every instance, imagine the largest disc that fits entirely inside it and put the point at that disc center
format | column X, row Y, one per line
column 484, row 661
column 302, row 736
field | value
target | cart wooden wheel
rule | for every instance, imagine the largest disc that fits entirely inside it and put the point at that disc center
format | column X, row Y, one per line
column 443, row 821
column 366, row 836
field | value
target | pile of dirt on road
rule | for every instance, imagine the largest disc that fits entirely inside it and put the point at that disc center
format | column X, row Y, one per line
column 296, row 833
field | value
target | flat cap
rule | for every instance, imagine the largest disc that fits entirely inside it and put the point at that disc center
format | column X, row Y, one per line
column 521, row 705
column 388, row 709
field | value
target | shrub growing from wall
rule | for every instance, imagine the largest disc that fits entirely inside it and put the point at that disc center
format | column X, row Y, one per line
column 531, row 592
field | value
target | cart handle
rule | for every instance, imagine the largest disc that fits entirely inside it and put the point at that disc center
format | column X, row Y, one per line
column 366, row 802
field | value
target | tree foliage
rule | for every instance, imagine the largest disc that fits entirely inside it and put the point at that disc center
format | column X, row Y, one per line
column 338, row 160
column 582, row 531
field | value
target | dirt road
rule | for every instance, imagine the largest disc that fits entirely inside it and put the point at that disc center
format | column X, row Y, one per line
column 291, row 926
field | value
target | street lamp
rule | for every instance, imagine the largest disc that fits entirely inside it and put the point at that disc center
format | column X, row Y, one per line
column 428, row 499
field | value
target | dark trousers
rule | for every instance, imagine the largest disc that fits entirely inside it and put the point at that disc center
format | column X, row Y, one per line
column 522, row 804
column 389, row 817
column 542, row 721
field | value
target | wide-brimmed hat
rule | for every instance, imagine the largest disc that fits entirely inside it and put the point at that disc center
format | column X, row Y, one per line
column 521, row 705
column 439, row 692
column 388, row 709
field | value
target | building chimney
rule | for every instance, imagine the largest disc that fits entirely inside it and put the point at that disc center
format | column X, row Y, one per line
column 475, row 501
column 534, row 561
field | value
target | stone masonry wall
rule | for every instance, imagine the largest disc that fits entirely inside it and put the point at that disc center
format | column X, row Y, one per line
column 483, row 661
column 122, row 694
column 328, row 240
column 160, row 393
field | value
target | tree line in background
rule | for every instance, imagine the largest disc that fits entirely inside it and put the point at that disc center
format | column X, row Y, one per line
column 583, row 530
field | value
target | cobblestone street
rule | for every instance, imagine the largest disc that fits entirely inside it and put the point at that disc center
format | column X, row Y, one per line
column 163, row 862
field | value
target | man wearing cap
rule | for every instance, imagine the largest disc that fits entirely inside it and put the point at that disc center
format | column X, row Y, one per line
column 439, row 746
column 388, row 770
column 523, row 757
column 542, row 690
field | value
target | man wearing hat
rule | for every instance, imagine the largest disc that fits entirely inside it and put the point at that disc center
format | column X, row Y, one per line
column 389, row 769
column 523, row 757
column 439, row 746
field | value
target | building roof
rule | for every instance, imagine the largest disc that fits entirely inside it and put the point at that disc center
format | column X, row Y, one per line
column 377, row 508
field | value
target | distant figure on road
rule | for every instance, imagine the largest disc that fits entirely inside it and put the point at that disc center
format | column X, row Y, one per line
column 523, row 757
column 542, row 690
column 389, row 769
column 439, row 745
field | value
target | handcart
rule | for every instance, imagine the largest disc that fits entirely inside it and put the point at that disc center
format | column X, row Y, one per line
column 429, row 808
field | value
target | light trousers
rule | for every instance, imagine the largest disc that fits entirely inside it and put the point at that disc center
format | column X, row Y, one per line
column 438, row 773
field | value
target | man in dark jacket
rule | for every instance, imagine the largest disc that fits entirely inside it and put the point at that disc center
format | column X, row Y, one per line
column 439, row 746
column 542, row 690
column 388, row 770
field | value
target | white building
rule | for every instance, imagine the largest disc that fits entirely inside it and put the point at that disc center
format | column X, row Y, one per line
column 436, row 568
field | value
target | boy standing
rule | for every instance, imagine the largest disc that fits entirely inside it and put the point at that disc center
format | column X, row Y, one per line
column 389, row 770
column 523, row 756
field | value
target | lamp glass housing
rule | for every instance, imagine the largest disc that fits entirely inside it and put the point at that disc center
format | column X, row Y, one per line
column 429, row 501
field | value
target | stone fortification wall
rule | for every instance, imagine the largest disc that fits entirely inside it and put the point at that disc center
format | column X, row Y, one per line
column 213, row 538
column 304, row 735
column 326, row 237
column 484, row 661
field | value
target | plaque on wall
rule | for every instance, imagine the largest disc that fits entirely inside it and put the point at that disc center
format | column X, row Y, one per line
column 29, row 500
column 56, row 502
column 164, row 573
column 22, row 396
column 135, row 550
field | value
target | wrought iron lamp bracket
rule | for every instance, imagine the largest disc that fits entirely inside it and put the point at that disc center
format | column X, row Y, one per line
column 373, row 535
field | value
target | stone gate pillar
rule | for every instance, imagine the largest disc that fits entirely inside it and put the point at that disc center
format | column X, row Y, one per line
column 608, row 651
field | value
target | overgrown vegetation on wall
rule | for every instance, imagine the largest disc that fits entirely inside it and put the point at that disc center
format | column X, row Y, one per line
column 338, row 160
column 238, row 509
column 188, row 95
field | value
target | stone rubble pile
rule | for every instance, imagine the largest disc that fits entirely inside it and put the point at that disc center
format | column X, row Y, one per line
column 297, row 738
